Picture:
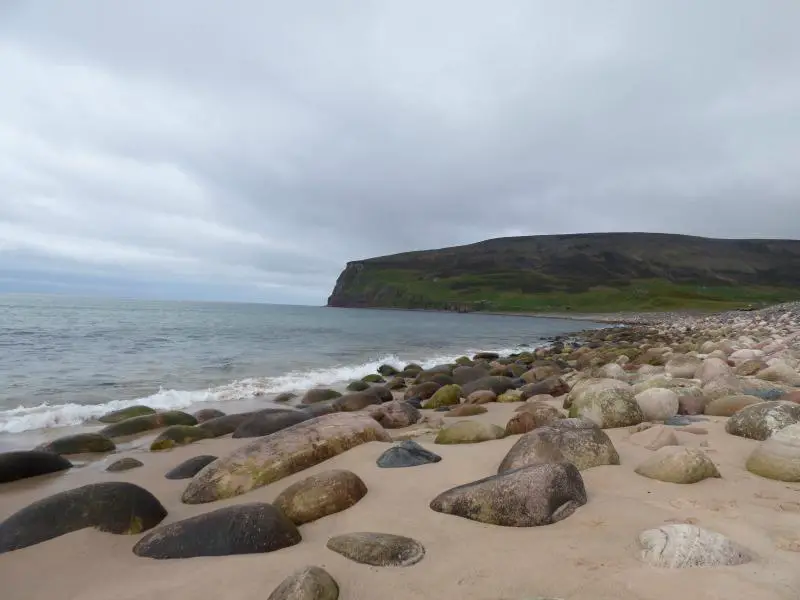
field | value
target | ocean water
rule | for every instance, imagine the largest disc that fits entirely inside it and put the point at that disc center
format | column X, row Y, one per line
column 65, row 361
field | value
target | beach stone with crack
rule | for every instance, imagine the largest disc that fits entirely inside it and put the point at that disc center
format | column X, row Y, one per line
column 448, row 395
column 481, row 397
column 466, row 410
column 144, row 423
column 495, row 383
column 535, row 495
column 190, row 467
column 315, row 395
column 423, row 391
column 227, row 424
column 522, row 422
column 206, row 414
column 585, row 448
column 79, row 443
column 378, row 549
column 676, row 464
column 655, row 437
column 406, row 454
column 252, row 528
column 760, row 421
column 553, row 386
column 263, row 423
column 658, row 404
column 114, row 507
column 680, row 546
column 778, row 457
column 273, row 457
column 727, row 406
column 469, row 432
column 124, row 464
column 115, row 416
column 395, row 414
column 320, row 495
column 309, row 583
column 21, row 464
column 178, row 435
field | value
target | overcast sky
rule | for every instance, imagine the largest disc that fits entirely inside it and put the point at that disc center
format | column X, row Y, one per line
column 248, row 149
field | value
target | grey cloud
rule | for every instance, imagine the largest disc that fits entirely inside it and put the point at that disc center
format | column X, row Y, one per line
column 258, row 146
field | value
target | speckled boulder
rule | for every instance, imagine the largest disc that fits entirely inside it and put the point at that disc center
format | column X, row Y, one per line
column 584, row 447
column 320, row 495
column 778, row 457
column 469, row 432
column 378, row 549
column 309, row 583
column 760, row 421
column 676, row 464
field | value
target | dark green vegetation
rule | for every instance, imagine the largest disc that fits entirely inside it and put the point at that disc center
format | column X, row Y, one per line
column 582, row 273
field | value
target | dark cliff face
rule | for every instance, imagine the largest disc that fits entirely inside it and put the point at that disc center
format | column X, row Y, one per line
column 551, row 272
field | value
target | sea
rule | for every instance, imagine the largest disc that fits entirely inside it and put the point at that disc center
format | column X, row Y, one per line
column 65, row 361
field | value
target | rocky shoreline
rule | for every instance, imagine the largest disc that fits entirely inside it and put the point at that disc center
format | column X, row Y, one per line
column 614, row 464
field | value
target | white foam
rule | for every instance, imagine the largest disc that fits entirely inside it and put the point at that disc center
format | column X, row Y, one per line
column 43, row 416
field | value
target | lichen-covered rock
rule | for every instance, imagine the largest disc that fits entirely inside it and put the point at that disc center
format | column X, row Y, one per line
column 542, row 413
column 678, row 546
column 607, row 406
column 237, row 529
column 262, row 423
column 124, row 464
column 727, row 406
column 178, row 435
column 320, row 495
column 658, row 404
column 387, row 370
column 116, row 416
column 395, row 414
column 656, row 437
column 315, row 395
column 590, row 387
column 520, row 423
column 469, row 432
column 310, row 583
column 270, row 458
column 407, row 454
column 190, row 467
column 466, row 410
column 224, row 425
column 584, row 447
column 682, row 366
column 448, row 395
column 481, row 397
column 378, row 549
column 676, row 464
column 79, row 443
column 778, row 457
column 759, row 421
column 553, row 386
column 712, row 368
column 144, row 423
column 357, row 386
column 206, row 414
column 21, row 464
column 113, row 507
column 510, row 396
column 536, row 495
column 495, row 383
column 373, row 378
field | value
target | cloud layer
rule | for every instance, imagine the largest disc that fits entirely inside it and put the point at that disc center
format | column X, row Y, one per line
column 247, row 150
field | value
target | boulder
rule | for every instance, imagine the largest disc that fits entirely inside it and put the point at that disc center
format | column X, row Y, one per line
column 712, row 368
column 357, row 401
column 469, row 432
column 319, row 395
column 273, row 457
column 114, row 507
column 320, row 495
column 535, row 495
column 727, row 406
column 759, row 421
column 448, row 395
column 792, row 397
column 207, row 414
column 496, row 384
column 522, row 422
column 658, row 404
column 309, row 583
column 434, row 377
column 79, row 443
column 178, row 435
column 584, row 447
column 510, row 396
column 144, row 423
column 778, row 457
column 780, row 372
column 543, row 414
column 124, row 464
column 262, row 423
column 395, row 414
column 407, row 454
column 680, row 545
column 750, row 367
column 676, row 464
column 540, row 373
column 466, row 410
column 554, row 386
column 613, row 371
column 485, row 356
column 682, row 366
column 190, row 467
column 396, row 383
column 357, row 386
column 225, row 425
column 237, row 529
column 656, row 437
column 372, row 378
column 691, row 405
column 607, row 406
column 378, row 549
column 21, row 464
column 387, row 370
column 116, row 416
column 481, row 397
column 423, row 391
column 284, row 397
column 590, row 387
column 462, row 375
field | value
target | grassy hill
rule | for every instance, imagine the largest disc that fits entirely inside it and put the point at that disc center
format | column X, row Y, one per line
column 593, row 272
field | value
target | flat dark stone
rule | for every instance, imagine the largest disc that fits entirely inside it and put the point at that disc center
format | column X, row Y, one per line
column 407, row 454
column 21, row 464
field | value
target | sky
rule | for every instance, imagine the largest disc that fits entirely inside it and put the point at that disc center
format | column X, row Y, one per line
column 246, row 150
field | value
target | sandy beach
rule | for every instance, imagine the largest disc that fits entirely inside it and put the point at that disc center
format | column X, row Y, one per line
column 593, row 554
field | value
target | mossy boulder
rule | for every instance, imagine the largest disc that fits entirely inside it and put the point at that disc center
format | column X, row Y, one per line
column 387, row 370
column 778, row 457
column 145, row 423
column 320, row 495
column 238, row 529
column 190, row 467
column 448, row 395
column 116, row 416
column 124, row 464
column 676, row 464
column 510, row 396
column 372, row 378
column 267, row 422
column 607, row 406
column 273, row 457
column 206, row 414
column 114, row 507
column 309, row 583
column 584, row 447
column 469, row 432
column 21, row 464
column 319, row 395
column 378, row 549
column 464, row 361
column 178, row 435
column 760, row 421
column 79, row 443
column 357, row 386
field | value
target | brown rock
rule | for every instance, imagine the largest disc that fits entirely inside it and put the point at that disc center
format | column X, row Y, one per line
column 543, row 414
column 520, row 423
column 691, row 405
column 466, row 410
column 320, row 495
column 553, row 386
column 481, row 397
column 423, row 391
column 584, row 447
